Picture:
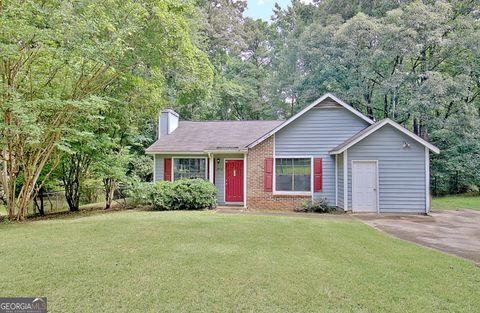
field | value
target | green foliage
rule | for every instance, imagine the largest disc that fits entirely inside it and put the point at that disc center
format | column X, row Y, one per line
column 4, row 220
column 85, row 80
column 317, row 206
column 183, row 194
column 141, row 167
column 412, row 61
column 112, row 164
column 239, row 50
column 90, row 190
column 77, row 76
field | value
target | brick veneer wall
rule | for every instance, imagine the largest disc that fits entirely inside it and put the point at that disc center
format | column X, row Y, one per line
column 257, row 198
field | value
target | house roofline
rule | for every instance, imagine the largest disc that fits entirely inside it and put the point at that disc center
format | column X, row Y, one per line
column 238, row 151
column 341, row 148
column 175, row 152
column 306, row 109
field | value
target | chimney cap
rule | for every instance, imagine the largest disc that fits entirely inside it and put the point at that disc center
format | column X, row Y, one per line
column 171, row 111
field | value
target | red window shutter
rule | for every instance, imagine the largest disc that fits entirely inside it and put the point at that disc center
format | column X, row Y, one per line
column 268, row 175
column 167, row 169
column 214, row 170
column 317, row 174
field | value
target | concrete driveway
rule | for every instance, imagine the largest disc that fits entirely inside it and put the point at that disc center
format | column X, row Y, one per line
column 454, row 232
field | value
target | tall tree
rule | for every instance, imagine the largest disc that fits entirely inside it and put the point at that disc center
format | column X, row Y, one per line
column 415, row 64
column 64, row 61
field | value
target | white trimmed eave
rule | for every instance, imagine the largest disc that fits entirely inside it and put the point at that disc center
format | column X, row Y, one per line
column 306, row 109
column 396, row 126
column 240, row 151
column 176, row 152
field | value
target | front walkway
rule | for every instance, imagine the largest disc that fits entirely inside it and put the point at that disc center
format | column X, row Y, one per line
column 454, row 232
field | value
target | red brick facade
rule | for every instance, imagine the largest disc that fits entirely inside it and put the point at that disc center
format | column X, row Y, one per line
column 257, row 198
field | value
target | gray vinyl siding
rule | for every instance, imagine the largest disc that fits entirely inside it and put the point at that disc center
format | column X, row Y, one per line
column 314, row 134
column 340, row 185
column 219, row 170
column 401, row 170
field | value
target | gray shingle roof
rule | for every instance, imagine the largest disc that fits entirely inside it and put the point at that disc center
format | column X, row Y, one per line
column 212, row 135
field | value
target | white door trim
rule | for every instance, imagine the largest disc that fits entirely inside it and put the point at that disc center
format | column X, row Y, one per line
column 345, row 180
column 225, row 181
column 427, row 180
column 336, row 180
column 245, row 180
column 377, row 202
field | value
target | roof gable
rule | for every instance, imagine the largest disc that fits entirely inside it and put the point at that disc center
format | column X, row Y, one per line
column 373, row 128
column 319, row 103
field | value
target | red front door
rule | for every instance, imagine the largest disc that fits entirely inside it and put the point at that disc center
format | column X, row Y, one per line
column 234, row 180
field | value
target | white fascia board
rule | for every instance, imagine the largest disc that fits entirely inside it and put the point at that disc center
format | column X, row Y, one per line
column 396, row 126
column 243, row 151
column 177, row 152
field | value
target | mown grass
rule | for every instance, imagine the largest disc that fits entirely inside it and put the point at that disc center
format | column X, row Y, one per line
column 456, row 202
column 206, row 262
column 85, row 209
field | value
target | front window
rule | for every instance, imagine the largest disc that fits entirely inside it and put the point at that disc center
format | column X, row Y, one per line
column 189, row 168
column 292, row 174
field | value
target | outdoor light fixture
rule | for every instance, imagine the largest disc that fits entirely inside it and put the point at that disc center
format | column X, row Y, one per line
column 406, row 145
column 218, row 161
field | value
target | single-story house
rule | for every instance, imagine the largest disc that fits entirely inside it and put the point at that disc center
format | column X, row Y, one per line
column 328, row 150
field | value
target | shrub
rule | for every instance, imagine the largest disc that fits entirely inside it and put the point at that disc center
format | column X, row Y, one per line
column 318, row 206
column 473, row 189
column 183, row 194
column 160, row 195
column 192, row 194
column 139, row 193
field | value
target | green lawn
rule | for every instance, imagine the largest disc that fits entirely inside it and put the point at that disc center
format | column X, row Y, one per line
column 456, row 202
column 202, row 261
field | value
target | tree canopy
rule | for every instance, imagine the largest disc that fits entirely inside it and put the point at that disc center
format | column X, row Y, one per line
column 82, row 82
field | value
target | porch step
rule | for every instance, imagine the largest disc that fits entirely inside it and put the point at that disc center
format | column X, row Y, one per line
column 230, row 207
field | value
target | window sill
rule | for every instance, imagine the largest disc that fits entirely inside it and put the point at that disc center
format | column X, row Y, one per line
column 292, row 193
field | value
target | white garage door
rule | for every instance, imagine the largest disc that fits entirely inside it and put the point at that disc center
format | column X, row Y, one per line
column 364, row 186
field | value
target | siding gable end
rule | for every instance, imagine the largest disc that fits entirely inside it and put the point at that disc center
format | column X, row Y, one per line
column 320, row 102
column 314, row 134
column 402, row 168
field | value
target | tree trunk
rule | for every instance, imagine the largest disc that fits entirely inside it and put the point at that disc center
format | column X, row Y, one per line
column 415, row 126
column 385, row 106
column 73, row 169
column 110, row 187
column 17, row 204
column 42, row 207
column 368, row 100
column 39, row 197
column 394, row 104
column 71, row 184
column 9, row 179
